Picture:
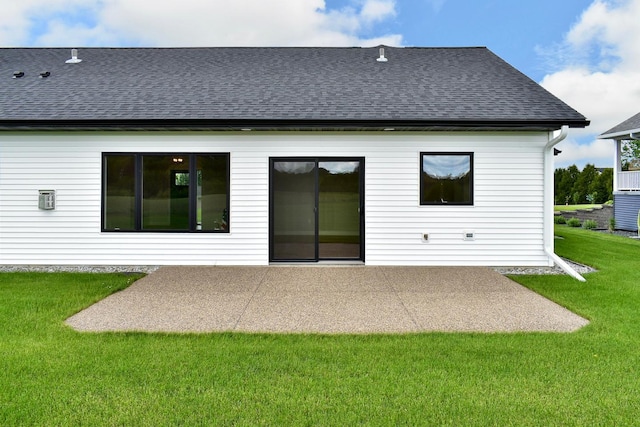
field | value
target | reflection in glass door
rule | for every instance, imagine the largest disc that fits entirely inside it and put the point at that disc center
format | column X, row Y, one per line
column 339, row 210
column 293, row 189
column 316, row 209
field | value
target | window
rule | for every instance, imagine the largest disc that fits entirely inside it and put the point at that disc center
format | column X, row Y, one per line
column 446, row 178
column 165, row 192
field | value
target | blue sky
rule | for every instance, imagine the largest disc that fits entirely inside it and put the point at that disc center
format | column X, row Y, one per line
column 586, row 52
column 513, row 29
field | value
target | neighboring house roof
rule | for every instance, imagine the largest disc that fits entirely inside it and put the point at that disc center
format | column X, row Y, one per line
column 629, row 129
column 273, row 88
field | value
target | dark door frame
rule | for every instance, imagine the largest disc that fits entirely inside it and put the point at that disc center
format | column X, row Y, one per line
column 317, row 160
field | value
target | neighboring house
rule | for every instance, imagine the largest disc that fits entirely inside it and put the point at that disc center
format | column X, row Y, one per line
column 220, row 156
column 626, row 183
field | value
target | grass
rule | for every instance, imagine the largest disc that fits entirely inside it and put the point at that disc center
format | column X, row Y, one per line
column 573, row 207
column 52, row 375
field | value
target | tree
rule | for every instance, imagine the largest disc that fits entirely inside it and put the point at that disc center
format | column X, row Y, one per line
column 558, row 192
column 630, row 154
column 602, row 186
column 589, row 185
column 564, row 181
column 581, row 186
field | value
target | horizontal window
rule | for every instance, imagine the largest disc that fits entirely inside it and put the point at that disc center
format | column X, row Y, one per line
column 446, row 178
column 165, row 192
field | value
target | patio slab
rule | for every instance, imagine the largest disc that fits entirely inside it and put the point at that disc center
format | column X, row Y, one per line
column 325, row 299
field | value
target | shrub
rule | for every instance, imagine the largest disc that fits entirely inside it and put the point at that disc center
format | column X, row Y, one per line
column 559, row 219
column 590, row 224
column 574, row 222
column 612, row 224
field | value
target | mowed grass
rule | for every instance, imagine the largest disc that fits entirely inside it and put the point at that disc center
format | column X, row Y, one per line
column 52, row 375
column 574, row 207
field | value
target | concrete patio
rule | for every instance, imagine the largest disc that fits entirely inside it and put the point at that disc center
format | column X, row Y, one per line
column 326, row 299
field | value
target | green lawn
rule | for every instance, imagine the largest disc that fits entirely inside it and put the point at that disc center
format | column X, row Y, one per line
column 51, row 375
column 573, row 207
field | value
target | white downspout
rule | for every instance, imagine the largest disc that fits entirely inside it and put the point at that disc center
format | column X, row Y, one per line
column 548, row 205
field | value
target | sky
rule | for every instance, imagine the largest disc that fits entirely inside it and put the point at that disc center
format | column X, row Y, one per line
column 586, row 52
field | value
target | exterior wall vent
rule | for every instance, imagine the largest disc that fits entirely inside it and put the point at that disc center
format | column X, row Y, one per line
column 74, row 57
column 47, row 200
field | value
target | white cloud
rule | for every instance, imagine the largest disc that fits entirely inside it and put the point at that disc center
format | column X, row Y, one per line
column 601, row 74
column 19, row 18
column 436, row 5
column 193, row 23
column 598, row 152
column 606, row 98
column 378, row 10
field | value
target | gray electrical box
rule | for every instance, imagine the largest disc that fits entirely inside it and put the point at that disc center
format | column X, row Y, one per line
column 47, row 200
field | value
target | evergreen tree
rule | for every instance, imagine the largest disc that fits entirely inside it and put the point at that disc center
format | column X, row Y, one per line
column 573, row 186
column 581, row 186
column 564, row 185
column 602, row 186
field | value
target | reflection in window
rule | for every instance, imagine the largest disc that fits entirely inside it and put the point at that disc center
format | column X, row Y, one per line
column 165, row 202
column 212, row 187
column 154, row 192
column 119, row 194
column 446, row 178
column 294, row 168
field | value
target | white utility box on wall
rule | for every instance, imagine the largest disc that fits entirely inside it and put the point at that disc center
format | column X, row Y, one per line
column 47, row 200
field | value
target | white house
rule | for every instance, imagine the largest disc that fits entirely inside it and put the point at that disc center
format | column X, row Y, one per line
column 626, row 177
column 250, row 156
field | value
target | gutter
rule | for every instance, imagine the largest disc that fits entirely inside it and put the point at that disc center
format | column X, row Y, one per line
column 286, row 124
column 548, row 206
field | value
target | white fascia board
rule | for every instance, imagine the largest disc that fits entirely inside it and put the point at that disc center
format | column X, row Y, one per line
column 627, row 134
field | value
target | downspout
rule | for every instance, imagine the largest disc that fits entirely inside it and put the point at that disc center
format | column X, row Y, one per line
column 548, row 206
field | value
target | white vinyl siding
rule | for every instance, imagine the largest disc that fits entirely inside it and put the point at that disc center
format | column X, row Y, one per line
column 626, row 208
column 506, row 217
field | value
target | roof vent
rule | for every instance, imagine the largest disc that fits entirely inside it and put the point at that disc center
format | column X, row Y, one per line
column 45, row 74
column 74, row 57
column 382, row 58
column 18, row 74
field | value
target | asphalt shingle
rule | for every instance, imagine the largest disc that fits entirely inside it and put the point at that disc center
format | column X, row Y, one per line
column 632, row 124
column 428, row 86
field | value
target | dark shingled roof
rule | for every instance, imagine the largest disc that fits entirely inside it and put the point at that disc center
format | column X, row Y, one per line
column 629, row 126
column 273, row 88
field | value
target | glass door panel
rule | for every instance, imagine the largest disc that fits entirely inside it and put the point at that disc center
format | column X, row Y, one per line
column 339, row 210
column 294, row 210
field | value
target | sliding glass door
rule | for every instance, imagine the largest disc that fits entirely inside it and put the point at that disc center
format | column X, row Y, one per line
column 339, row 207
column 316, row 209
column 293, row 207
